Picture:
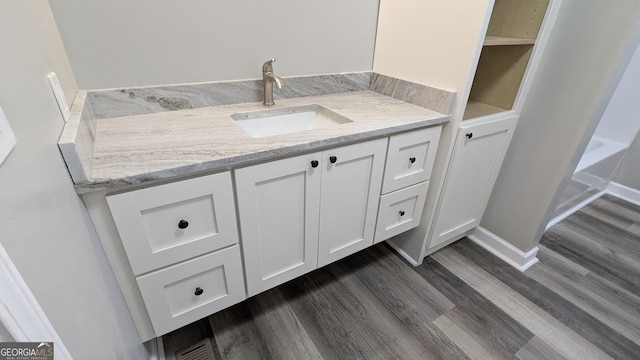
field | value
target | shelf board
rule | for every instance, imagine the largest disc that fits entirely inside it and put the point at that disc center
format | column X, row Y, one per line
column 492, row 40
column 476, row 109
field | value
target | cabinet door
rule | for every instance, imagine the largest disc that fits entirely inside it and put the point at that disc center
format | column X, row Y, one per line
column 278, row 205
column 351, row 181
column 478, row 154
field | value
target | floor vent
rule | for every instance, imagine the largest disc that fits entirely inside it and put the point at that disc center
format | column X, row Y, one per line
column 201, row 350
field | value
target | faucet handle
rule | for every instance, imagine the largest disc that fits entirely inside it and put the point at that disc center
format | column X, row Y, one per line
column 267, row 67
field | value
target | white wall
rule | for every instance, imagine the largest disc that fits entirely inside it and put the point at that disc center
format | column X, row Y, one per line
column 568, row 96
column 628, row 173
column 431, row 42
column 4, row 334
column 43, row 224
column 121, row 43
column 621, row 120
column 621, row 123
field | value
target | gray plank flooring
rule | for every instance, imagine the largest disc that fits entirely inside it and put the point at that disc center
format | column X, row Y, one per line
column 581, row 301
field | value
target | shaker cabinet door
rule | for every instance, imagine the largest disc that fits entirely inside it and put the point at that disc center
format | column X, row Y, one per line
column 351, row 180
column 278, row 205
column 477, row 157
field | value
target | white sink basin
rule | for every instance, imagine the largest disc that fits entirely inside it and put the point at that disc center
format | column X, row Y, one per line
column 265, row 123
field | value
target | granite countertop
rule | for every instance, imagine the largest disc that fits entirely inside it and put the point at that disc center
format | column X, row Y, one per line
column 139, row 148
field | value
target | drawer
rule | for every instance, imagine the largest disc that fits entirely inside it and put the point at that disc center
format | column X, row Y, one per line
column 166, row 224
column 400, row 211
column 410, row 158
column 183, row 293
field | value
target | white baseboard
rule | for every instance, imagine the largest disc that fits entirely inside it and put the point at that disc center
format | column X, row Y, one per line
column 575, row 208
column 521, row 260
column 624, row 192
column 20, row 312
column 620, row 191
column 502, row 249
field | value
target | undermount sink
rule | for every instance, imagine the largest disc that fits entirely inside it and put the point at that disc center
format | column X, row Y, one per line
column 265, row 123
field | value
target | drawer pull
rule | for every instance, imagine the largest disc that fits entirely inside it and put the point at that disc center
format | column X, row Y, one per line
column 198, row 291
column 412, row 159
column 314, row 163
column 333, row 159
column 401, row 212
column 183, row 224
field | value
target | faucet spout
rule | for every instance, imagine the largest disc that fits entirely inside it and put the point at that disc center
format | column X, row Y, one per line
column 277, row 81
column 268, row 79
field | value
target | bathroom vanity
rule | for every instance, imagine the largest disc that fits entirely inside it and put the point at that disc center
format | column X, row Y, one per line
column 196, row 212
column 200, row 207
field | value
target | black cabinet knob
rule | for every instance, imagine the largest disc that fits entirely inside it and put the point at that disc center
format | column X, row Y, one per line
column 182, row 224
column 401, row 212
column 333, row 159
column 469, row 135
column 412, row 159
column 314, row 163
column 198, row 291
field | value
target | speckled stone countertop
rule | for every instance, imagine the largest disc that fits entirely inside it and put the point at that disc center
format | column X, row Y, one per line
column 135, row 149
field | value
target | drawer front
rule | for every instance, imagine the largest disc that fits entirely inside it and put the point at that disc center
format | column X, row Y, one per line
column 410, row 158
column 166, row 224
column 183, row 293
column 400, row 211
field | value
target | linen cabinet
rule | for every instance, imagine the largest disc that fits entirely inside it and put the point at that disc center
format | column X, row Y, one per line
column 487, row 51
column 490, row 117
column 479, row 151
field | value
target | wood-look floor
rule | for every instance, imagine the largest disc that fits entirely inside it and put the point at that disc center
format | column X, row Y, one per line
column 581, row 301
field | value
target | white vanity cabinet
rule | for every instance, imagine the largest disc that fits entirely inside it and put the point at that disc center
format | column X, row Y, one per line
column 176, row 251
column 478, row 153
column 181, row 242
column 303, row 212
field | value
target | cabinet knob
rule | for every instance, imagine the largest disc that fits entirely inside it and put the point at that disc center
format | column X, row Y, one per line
column 469, row 135
column 401, row 212
column 412, row 159
column 314, row 163
column 182, row 224
column 333, row 159
column 198, row 291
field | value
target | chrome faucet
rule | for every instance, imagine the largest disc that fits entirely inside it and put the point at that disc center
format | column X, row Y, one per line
column 268, row 79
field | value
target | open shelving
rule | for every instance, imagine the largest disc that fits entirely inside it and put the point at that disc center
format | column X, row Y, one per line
column 511, row 36
column 493, row 40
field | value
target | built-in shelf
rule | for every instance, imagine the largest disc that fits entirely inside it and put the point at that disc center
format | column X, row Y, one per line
column 476, row 109
column 507, row 47
column 492, row 40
